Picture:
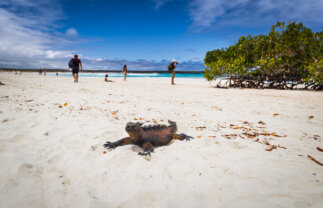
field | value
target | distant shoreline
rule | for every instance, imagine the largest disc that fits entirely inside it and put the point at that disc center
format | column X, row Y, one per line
column 101, row 71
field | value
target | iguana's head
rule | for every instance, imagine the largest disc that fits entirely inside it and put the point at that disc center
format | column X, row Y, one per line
column 133, row 127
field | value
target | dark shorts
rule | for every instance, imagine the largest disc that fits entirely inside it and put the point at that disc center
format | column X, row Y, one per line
column 75, row 70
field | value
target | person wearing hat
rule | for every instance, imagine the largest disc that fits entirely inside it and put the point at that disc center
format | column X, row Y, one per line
column 171, row 69
column 75, row 71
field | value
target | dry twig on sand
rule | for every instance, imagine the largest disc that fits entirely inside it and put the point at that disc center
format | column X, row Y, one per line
column 319, row 149
column 312, row 158
column 230, row 136
column 276, row 135
column 265, row 142
column 261, row 122
column 270, row 147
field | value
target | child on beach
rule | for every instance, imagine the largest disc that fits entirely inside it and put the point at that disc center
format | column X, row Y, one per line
column 106, row 78
column 171, row 69
column 125, row 71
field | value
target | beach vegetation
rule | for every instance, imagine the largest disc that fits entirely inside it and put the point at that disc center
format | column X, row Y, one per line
column 290, row 55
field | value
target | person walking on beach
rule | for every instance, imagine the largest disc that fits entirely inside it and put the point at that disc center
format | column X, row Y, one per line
column 125, row 71
column 76, row 65
column 171, row 69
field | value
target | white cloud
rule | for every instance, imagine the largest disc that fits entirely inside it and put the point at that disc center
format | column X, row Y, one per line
column 41, row 14
column 71, row 32
column 22, row 45
column 57, row 54
column 160, row 3
column 207, row 13
column 28, row 41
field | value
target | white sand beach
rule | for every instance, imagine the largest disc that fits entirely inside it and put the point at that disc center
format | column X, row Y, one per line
column 52, row 132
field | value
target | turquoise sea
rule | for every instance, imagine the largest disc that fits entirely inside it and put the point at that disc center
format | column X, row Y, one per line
column 143, row 75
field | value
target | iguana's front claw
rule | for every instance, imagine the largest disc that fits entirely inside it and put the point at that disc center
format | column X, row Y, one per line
column 109, row 145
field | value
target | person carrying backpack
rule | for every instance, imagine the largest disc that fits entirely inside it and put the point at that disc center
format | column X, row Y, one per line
column 75, row 64
column 171, row 69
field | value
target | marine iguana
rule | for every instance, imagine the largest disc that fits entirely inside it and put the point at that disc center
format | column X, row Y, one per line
column 148, row 137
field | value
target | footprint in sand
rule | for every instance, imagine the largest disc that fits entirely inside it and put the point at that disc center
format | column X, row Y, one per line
column 27, row 185
column 29, row 169
column 140, row 199
column 96, row 203
column 16, row 138
column 179, row 170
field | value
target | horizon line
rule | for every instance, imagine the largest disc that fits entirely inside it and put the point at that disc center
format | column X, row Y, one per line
column 111, row 71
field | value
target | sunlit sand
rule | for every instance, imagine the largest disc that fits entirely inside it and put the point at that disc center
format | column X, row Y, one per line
column 251, row 147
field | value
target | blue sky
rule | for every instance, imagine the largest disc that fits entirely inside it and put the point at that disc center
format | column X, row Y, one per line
column 144, row 34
